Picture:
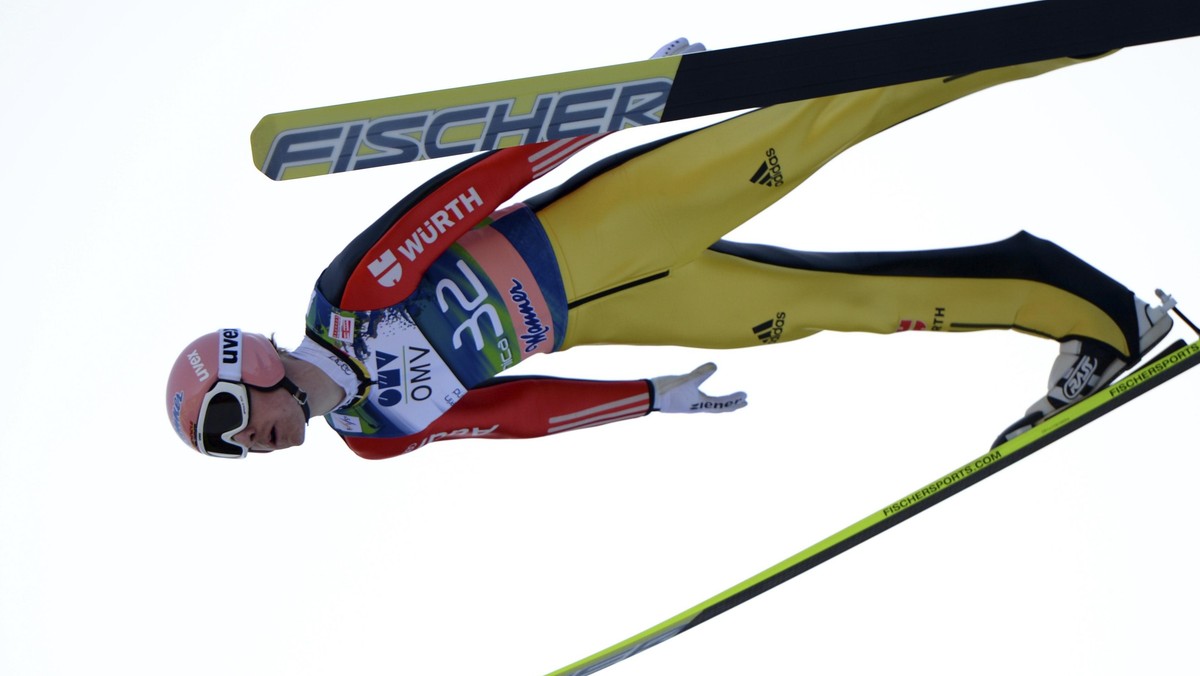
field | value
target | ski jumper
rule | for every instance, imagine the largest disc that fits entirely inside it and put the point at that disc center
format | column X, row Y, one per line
column 423, row 310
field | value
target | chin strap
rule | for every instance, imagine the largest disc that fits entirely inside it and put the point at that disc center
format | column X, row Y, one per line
column 299, row 395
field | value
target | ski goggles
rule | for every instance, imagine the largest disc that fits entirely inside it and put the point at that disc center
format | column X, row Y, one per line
column 224, row 412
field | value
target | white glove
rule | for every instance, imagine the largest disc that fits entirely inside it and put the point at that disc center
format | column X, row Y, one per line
column 681, row 394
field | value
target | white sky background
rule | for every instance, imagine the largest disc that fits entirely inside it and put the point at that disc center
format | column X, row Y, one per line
column 134, row 221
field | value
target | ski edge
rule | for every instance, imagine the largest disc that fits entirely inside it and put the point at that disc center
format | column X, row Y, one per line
column 1178, row 358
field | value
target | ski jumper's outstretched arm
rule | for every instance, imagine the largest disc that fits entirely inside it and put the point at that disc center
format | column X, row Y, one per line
column 531, row 406
column 520, row 408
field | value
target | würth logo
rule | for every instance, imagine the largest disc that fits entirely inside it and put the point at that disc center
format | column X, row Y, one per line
column 771, row 330
column 770, row 172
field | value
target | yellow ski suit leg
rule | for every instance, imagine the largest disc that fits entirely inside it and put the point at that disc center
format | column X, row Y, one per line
column 638, row 240
column 738, row 295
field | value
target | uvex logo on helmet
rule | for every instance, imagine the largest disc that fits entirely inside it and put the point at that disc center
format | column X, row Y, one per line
column 231, row 346
column 197, row 363
column 231, row 355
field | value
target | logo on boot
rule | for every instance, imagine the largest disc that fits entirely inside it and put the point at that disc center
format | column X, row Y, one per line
column 1076, row 381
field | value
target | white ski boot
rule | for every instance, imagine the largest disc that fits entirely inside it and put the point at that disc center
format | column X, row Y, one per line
column 1085, row 365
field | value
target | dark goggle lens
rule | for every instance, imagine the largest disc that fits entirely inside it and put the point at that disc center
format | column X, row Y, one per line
column 224, row 415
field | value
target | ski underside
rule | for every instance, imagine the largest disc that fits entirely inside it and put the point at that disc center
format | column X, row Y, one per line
column 1176, row 359
column 476, row 118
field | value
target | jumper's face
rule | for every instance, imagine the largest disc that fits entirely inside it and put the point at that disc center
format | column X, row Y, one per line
column 276, row 421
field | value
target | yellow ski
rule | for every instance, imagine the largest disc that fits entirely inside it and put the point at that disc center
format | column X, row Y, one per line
column 485, row 117
column 1174, row 361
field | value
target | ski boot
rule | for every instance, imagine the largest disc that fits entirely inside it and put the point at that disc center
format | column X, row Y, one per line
column 1085, row 365
column 677, row 47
